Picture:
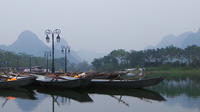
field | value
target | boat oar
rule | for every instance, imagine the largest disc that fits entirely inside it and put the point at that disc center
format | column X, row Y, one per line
column 55, row 99
column 57, row 77
column 4, row 103
column 147, row 100
column 61, row 78
column 6, row 74
column 8, row 98
column 120, row 100
column 115, row 78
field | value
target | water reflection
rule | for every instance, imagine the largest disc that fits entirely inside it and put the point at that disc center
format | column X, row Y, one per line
column 138, row 93
column 173, row 88
column 16, row 95
column 185, row 92
column 169, row 95
column 24, row 97
column 21, row 93
column 29, row 105
column 83, row 95
column 80, row 96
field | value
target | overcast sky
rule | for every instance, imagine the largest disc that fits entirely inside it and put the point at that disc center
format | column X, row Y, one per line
column 100, row 25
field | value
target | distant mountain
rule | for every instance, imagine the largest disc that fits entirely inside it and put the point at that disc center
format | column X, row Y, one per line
column 192, row 39
column 181, row 41
column 29, row 43
column 4, row 47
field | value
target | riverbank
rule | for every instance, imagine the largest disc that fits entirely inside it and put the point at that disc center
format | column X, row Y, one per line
column 171, row 72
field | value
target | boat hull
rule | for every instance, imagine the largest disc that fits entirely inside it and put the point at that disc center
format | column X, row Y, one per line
column 126, row 83
column 65, row 83
column 18, row 83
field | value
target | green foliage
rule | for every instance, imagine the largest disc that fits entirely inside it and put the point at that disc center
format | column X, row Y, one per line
column 169, row 56
column 9, row 59
column 117, row 59
column 21, row 60
column 173, row 73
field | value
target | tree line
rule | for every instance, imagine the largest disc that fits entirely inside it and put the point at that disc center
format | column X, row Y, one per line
column 13, row 60
column 172, row 56
column 22, row 60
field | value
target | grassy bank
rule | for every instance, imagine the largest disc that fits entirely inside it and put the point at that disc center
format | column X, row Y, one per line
column 171, row 72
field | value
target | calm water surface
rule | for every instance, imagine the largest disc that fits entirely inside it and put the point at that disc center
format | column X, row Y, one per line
column 170, row 96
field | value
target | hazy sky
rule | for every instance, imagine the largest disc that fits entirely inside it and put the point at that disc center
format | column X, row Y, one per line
column 100, row 25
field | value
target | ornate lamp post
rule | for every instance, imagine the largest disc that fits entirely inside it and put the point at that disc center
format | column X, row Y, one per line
column 65, row 50
column 52, row 33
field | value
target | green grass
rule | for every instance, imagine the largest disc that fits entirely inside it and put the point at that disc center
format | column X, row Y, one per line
column 170, row 72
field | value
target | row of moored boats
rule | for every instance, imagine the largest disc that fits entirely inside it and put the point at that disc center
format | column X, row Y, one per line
column 73, row 81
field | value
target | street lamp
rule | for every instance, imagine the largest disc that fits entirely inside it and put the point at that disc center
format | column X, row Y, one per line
column 65, row 50
column 47, row 55
column 52, row 33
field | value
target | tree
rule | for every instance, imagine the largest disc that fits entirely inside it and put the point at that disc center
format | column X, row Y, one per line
column 173, row 56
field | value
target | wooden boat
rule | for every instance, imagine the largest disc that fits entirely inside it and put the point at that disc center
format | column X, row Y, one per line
column 95, row 75
column 141, row 83
column 62, row 82
column 17, row 81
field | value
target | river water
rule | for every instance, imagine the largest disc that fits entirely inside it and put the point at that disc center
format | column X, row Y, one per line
column 169, row 96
